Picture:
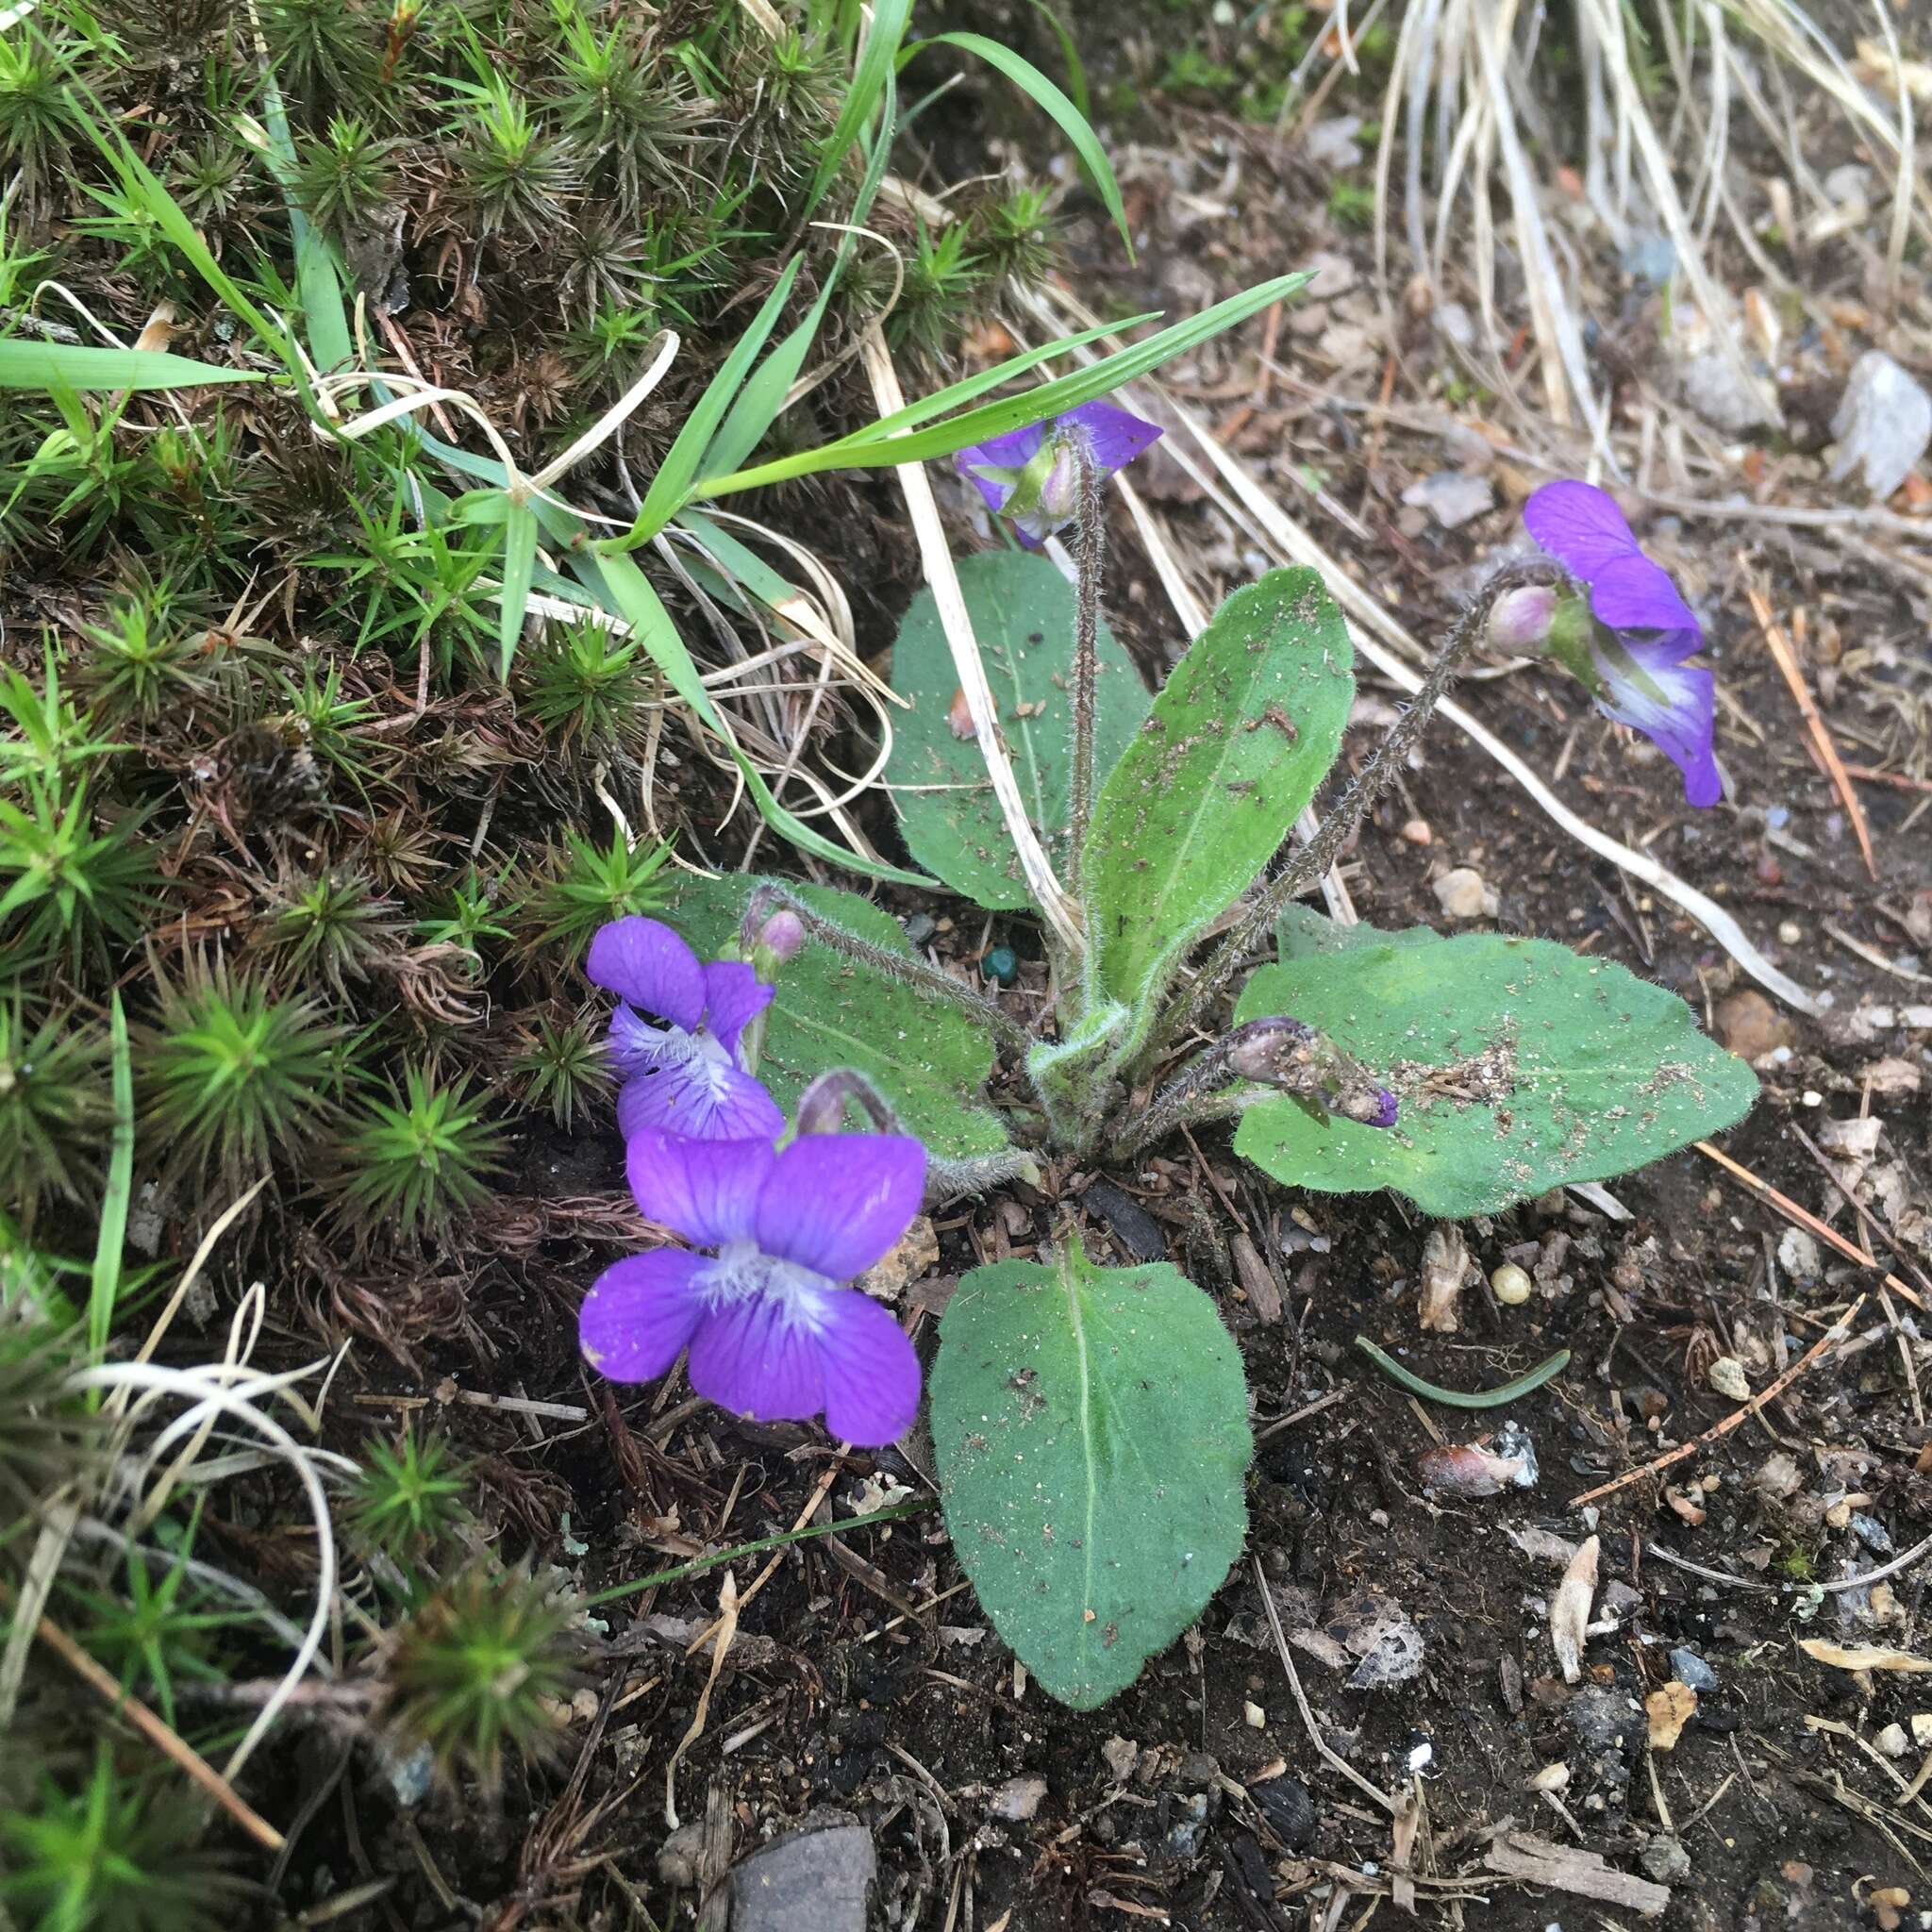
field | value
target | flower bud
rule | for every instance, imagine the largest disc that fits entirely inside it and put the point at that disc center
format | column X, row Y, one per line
column 782, row 935
column 1520, row 618
column 1266, row 1050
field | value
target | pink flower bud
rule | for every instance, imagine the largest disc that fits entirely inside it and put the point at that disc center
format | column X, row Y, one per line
column 1520, row 618
column 782, row 935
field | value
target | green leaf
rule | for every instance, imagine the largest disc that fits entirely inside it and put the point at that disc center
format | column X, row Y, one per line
column 76, row 366
column 930, row 1061
column 1023, row 615
column 1520, row 1066
column 1071, row 122
column 1240, row 735
column 1054, row 398
column 1090, row 1429
column 518, row 566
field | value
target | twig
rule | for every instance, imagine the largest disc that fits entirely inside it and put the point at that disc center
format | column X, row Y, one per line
column 158, row 1734
column 1771, row 1390
column 1902, row 779
column 1806, row 1218
column 1814, row 723
column 1328, row 1757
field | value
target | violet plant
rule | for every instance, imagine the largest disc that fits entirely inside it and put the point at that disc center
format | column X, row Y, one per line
column 1089, row 1423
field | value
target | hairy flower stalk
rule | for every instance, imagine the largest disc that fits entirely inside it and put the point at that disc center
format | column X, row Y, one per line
column 907, row 968
column 1090, row 555
column 822, row 1106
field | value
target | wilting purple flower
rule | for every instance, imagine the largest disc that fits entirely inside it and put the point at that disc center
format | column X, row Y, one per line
column 1284, row 1052
column 771, row 1333
column 1631, row 657
column 1032, row 476
column 682, row 1071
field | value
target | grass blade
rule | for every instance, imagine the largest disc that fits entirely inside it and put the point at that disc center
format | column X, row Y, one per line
column 639, row 606
column 1043, row 93
column 671, row 486
column 879, row 59
column 1015, row 412
column 79, row 366
column 105, row 1286
column 519, row 564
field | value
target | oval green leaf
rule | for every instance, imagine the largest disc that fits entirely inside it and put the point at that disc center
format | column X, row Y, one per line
column 1520, row 1066
column 930, row 1061
column 1090, row 1429
column 1237, row 742
column 1022, row 615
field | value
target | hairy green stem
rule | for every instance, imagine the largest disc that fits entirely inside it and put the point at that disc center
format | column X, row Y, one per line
column 907, row 968
column 1090, row 557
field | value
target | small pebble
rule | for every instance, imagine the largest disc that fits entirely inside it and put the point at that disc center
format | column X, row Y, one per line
column 1750, row 1025
column 1665, row 1860
column 1726, row 1376
column 1417, row 832
column 920, row 929
column 1552, row 1777
column 1693, row 1669
column 1893, row 1742
column 1461, row 893
column 1512, row 1287
column 1789, row 932
column 1253, row 1717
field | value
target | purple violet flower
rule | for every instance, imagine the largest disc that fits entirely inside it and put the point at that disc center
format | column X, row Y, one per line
column 683, row 1071
column 1631, row 656
column 771, row 1333
column 1030, row 475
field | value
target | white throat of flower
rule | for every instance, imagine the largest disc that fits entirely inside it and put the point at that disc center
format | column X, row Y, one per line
column 743, row 1269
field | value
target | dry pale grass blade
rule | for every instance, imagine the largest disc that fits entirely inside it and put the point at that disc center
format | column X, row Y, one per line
column 210, row 1398
column 1048, row 893
column 1790, row 32
column 1291, row 544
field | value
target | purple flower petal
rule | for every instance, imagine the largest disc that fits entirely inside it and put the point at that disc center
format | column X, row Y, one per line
column 760, row 1357
column 1115, row 436
column 1672, row 704
column 732, row 996
column 647, row 964
column 1012, row 451
column 639, row 1314
column 1584, row 530
column 700, row 1098
column 835, row 1202
column 871, row 1372
column 707, row 1191
column 635, row 1044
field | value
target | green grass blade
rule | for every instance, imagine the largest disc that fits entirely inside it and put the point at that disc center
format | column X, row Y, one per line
column 519, row 565
column 78, row 366
column 1033, row 405
column 1076, row 71
column 324, row 308
column 973, row 387
column 678, row 471
column 104, row 1286
column 1043, row 93
column 639, row 606
column 879, row 59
